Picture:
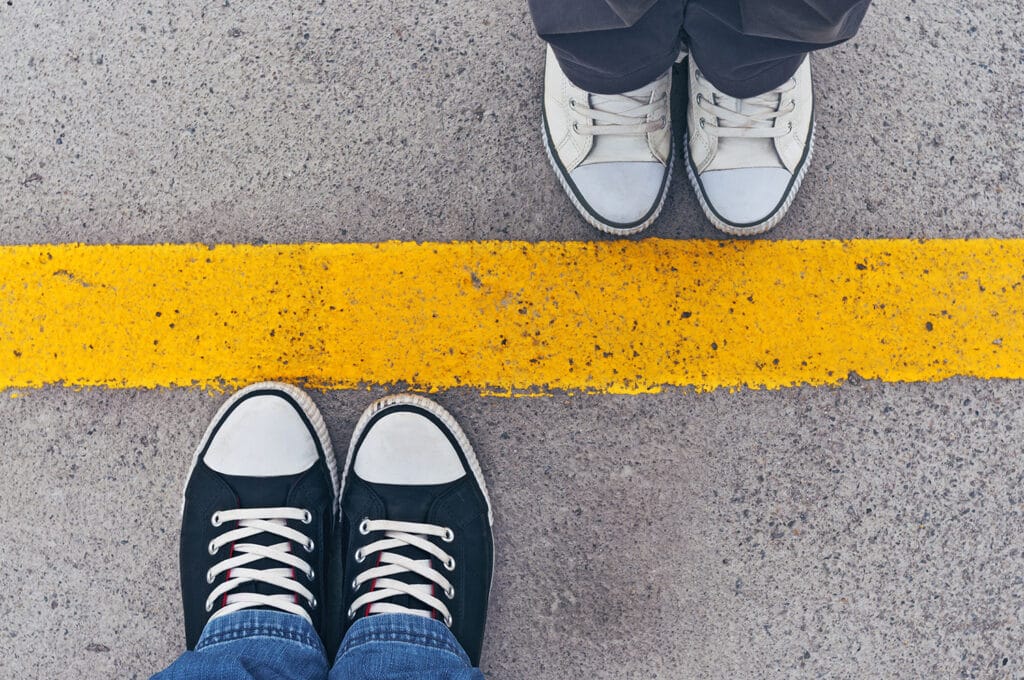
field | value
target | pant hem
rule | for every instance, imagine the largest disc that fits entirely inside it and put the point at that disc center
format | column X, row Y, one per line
column 402, row 628
column 603, row 83
column 252, row 624
column 767, row 79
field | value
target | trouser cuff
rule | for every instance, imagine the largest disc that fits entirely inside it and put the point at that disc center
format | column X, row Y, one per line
column 602, row 82
column 260, row 623
column 402, row 628
column 768, row 77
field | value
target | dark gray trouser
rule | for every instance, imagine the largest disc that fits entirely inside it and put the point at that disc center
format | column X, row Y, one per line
column 744, row 47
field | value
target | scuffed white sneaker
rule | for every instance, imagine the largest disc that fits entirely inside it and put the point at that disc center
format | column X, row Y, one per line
column 612, row 153
column 746, row 158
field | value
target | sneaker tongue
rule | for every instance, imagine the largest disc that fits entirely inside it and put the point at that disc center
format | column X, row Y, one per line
column 263, row 492
column 766, row 103
column 412, row 504
column 619, row 148
column 417, row 584
column 622, row 103
column 742, row 152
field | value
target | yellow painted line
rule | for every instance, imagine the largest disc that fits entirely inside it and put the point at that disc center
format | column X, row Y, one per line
column 510, row 317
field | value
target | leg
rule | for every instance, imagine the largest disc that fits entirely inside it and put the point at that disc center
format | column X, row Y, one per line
column 416, row 538
column 608, row 51
column 748, row 47
column 253, row 645
column 258, row 523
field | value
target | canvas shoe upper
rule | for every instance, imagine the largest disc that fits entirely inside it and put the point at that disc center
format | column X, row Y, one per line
column 416, row 521
column 259, row 511
column 612, row 153
column 746, row 158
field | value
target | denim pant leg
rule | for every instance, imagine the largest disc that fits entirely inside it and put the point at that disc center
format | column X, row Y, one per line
column 253, row 645
column 401, row 647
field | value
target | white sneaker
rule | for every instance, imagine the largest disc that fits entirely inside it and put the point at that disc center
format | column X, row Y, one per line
column 746, row 158
column 612, row 153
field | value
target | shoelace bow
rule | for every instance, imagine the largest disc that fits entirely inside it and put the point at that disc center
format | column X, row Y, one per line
column 634, row 119
column 389, row 564
column 756, row 117
column 252, row 522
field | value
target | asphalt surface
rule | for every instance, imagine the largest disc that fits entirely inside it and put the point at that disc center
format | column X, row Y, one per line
column 870, row 530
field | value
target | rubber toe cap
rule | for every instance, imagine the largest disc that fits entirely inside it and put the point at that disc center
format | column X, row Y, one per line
column 620, row 193
column 264, row 435
column 745, row 195
column 407, row 448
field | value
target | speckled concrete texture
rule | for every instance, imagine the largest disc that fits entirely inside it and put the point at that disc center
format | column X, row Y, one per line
column 864, row 531
column 408, row 119
column 867, row 531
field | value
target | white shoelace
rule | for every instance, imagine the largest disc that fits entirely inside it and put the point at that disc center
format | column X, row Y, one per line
column 622, row 114
column 251, row 522
column 751, row 118
column 389, row 564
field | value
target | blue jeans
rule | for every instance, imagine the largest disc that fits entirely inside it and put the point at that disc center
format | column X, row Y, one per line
column 270, row 645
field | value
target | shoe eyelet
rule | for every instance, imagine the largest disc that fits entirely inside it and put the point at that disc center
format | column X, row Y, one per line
column 311, row 574
column 572, row 104
column 359, row 556
column 215, row 519
column 700, row 97
column 790, row 126
column 448, row 536
column 351, row 613
column 355, row 584
column 212, row 548
column 450, row 593
column 364, row 526
column 449, row 564
column 313, row 603
column 209, row 606
column 309, row 546
column 210, row 577
column 702, row 123
column 448, row 620
column 307, row 517
column 575, row 127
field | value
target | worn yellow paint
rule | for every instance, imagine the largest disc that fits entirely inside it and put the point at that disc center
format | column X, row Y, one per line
column 511, row 317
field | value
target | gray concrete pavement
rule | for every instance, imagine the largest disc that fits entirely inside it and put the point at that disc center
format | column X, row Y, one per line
column 292, row 121
column 868, row 531
column 865, row 531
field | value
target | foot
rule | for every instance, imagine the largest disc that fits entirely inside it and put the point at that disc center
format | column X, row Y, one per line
column 416, row 521
column 612, row 153
column 746, row 158
column 259, row 510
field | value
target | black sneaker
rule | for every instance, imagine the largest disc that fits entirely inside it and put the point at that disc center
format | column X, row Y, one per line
column 416, row 520
column 259, row 510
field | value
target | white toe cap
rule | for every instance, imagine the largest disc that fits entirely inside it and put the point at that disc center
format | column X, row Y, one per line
column 620, row 192
column 264, row 435
column 407, row 448
column 745, row 195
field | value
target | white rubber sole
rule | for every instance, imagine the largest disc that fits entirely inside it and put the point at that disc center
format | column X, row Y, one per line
column 592, row 219
column 308, row 408
column 441, row 414
column 771, row 221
